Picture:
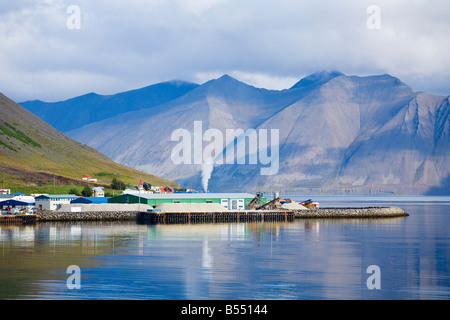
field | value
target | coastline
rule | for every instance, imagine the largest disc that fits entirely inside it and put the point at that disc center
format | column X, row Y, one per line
column 363, row 212
column 367, row 212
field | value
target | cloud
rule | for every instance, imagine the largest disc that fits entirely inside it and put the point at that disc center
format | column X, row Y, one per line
column 271, row 44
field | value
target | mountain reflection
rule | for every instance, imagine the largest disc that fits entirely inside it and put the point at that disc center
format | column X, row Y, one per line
column 304, row 259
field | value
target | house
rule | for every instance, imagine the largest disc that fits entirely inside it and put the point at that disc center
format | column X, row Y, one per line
column 169, row 190
column 5, row 191
column 52, row 202
column 98, row 192
column 89, row 178
column 157, row 189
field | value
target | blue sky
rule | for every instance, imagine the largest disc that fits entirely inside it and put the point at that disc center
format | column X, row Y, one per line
column 124, row 45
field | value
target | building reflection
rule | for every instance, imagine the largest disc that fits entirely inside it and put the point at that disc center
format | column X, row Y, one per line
column 307, row 258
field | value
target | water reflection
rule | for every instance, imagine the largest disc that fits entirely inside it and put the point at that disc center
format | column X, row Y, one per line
column 305, row 259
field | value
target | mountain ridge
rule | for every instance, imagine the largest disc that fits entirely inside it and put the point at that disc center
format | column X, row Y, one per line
column 337, row 133
column 91, row 107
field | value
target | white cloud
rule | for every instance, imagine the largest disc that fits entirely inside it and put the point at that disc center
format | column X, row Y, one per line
column 267, row 44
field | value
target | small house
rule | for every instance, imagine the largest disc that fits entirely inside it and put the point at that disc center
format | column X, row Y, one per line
column 98, row 192
column 89, row 178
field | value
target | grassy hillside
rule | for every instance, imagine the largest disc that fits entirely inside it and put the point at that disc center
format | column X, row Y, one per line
column 34, row 155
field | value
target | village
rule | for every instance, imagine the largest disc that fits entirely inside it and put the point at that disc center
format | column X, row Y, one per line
column 26, row 203
column 142, row 198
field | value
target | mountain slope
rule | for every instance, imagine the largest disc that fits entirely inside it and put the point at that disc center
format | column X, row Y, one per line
column 337, row 133
column 77, row 112
column 32, row 152
column 146, row 135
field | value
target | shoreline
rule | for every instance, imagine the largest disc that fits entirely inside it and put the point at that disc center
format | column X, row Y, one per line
column 354, row 212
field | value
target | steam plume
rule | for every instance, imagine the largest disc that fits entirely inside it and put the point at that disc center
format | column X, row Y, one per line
column 207, row 169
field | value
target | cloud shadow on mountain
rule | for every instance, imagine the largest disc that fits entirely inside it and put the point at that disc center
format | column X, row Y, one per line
column 442, row 190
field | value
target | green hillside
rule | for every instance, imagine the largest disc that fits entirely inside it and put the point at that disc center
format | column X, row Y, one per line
column 35, row 156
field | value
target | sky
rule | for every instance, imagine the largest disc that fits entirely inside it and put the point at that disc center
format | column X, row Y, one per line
column 54, row 50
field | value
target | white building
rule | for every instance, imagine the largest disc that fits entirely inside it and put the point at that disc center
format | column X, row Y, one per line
column 24, row 197
column 53, row 202
column 156, row 189
column 89, row 178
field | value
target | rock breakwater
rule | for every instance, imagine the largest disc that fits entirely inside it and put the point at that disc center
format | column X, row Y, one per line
column 86, row 216
column 371, row 212
column 368, row 212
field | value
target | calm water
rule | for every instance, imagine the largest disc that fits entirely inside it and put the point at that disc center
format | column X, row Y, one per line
column 305, row 259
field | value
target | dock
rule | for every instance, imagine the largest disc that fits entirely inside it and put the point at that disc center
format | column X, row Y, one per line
column 18, row 219
column 172, row 217
column 215, row 217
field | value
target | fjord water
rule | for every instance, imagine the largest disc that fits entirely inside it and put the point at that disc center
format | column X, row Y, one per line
column 304, row 259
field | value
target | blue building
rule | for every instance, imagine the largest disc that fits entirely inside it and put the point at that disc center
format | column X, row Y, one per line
column 90, row 200
column 16, row 205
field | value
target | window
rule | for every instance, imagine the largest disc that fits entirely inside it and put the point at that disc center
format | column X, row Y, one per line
column 224, row 202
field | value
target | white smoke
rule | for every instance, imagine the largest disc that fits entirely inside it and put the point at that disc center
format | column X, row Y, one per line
column 207, row 169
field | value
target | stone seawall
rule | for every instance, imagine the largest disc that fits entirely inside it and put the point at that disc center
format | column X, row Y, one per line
column 370, row 212
column 86, row 216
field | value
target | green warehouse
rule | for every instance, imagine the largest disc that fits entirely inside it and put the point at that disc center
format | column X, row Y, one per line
column 231, row 201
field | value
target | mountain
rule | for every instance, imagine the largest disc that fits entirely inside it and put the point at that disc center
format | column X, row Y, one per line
column 77, row 112
column 336, row 134
column 317, row 78
column 33, row 153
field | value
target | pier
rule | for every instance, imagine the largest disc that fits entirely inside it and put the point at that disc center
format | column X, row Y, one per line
column 172, row 217
column 18, row 219
column 215, row 217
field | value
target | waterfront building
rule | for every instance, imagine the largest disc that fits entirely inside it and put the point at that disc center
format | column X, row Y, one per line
column 53, row 201
column 231, row 201
column 15, row 206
